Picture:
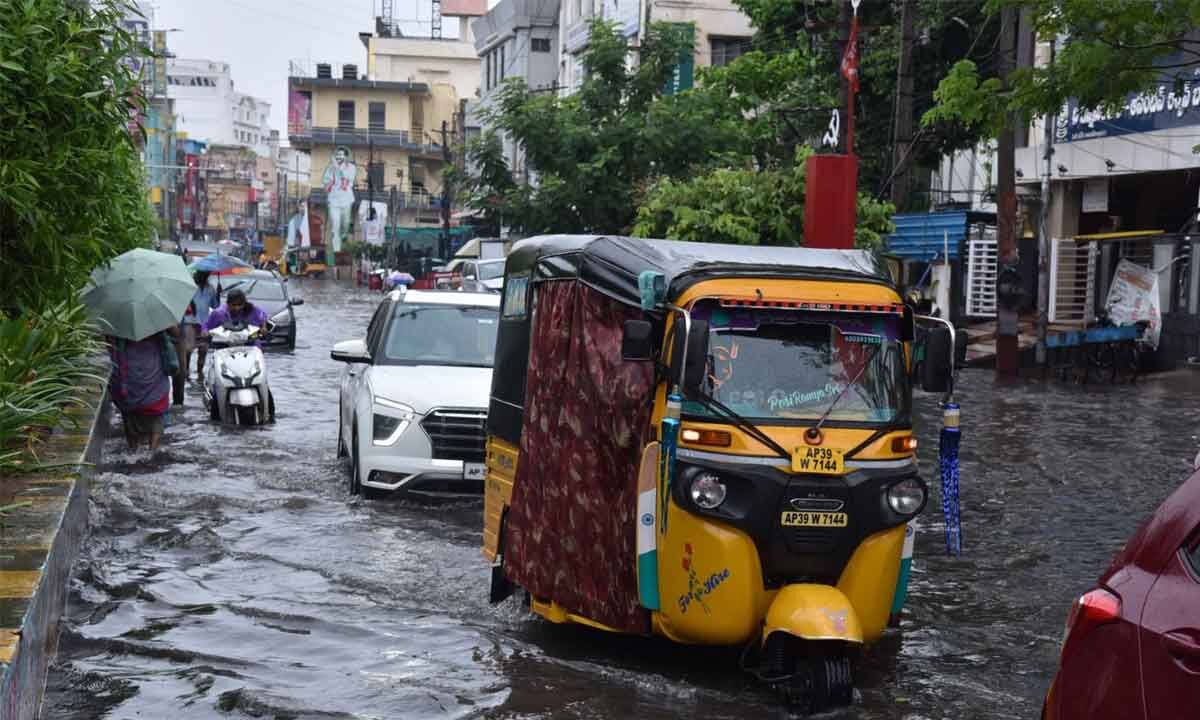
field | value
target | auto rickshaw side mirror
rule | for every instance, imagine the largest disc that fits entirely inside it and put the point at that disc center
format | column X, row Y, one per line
column 692, row 379
column 637, row 342
column 936, row 364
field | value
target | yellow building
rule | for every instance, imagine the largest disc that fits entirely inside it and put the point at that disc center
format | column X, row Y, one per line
column 366, row 137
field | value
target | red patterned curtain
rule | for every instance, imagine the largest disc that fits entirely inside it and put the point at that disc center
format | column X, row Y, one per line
column 570, row 528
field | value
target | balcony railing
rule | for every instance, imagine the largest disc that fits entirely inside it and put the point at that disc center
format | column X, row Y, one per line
column 361, row 137
column 412, row 199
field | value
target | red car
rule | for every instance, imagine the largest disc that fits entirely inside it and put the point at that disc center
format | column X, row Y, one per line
column 1132, row 645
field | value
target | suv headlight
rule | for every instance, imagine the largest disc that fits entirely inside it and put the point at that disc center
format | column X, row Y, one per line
column 906, row 497
column 389, row 420
column 282, row 317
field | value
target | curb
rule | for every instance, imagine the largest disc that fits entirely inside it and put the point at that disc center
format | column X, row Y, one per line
column 38, row 547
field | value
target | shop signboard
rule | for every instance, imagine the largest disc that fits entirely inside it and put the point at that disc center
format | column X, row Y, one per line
column 1173, row 102
column 1133, row 297
column 1095, row 195
column 682, row 77
column 299, row 112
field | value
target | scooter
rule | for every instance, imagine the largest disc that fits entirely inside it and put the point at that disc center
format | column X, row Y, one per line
column 235, row 376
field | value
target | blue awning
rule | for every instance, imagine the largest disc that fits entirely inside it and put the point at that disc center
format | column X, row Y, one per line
column 922, row 236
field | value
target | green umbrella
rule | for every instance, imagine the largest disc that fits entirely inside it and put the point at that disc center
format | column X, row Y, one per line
column 139, row 293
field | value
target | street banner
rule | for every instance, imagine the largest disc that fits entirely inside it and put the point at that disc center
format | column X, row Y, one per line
column 1133, row 297
column 850, row 56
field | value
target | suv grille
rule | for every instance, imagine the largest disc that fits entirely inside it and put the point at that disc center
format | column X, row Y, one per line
column 457, row 434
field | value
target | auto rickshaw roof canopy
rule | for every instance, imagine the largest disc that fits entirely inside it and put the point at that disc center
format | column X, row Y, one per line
column 612, row 264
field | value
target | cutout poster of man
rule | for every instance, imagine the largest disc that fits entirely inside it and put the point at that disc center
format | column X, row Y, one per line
column 338, row 182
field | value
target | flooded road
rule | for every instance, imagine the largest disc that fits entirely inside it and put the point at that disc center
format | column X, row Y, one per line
column 231, row 575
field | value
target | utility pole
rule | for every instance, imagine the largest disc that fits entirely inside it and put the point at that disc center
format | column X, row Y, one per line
column 1043, row 297
column 844, row 99
column 1007, row 348
column 903, row 127
column 446, row 194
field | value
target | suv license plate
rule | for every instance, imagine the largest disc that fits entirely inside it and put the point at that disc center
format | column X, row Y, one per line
column 793, row 518
column 474, row 471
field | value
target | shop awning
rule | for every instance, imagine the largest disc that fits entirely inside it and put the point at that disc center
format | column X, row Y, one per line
column 923, row 236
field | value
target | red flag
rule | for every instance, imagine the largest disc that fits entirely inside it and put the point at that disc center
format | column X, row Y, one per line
column 850, row 56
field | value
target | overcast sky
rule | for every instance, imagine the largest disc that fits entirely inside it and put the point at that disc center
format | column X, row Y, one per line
column 258, row 37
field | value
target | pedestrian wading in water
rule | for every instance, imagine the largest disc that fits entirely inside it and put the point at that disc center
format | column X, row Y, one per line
column 140, row 383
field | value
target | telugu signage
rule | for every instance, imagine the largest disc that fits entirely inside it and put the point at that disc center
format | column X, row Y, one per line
column 1167, row 105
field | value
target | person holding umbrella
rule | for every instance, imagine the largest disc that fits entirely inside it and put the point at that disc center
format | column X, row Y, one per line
column 204, row 301
column 137, row 300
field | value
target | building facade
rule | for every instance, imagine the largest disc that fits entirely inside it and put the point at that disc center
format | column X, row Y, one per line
column 209, row 108
column 517, row 38
column 721, row 32
column 371, row 140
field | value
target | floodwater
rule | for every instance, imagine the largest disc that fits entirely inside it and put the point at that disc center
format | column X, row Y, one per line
column 231, row 575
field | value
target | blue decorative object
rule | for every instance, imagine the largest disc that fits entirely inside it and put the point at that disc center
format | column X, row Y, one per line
column 948, row 462
column 670, row 444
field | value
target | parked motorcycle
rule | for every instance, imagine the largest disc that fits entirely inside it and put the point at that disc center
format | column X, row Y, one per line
column 235, row 376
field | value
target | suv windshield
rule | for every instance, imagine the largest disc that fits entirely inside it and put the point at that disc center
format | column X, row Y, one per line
column 442, row 335
column 783, row 365
column 261, row 289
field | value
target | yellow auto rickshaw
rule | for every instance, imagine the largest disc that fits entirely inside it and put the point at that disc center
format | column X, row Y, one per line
column 709, row 443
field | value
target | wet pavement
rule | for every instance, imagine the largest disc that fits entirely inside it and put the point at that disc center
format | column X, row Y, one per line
column 231, row 575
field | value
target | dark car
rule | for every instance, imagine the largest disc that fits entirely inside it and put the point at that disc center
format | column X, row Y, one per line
column 1132, row 644
column 269, row 291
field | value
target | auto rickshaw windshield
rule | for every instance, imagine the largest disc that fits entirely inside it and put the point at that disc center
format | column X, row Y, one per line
column 781, row 365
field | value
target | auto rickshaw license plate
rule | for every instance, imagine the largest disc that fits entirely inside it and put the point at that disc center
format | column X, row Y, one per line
column 818, row 460
column 793, row 518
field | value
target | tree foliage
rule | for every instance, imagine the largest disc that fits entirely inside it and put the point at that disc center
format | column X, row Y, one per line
column 791, row 75
column 490, row 188
column 1111, row 49
column 72, row 192
column 746, row 206
column 592, row 150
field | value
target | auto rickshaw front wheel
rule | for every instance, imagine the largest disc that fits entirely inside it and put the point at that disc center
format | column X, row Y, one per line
column 810, row 676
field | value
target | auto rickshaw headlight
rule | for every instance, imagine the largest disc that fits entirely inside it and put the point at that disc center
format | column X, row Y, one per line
column 906, row 497
column 707, row 491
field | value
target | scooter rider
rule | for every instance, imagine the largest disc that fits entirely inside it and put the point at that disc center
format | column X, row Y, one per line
column 239, row 310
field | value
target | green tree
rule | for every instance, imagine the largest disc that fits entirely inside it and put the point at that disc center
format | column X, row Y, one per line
column 72, row 192
column 791, row 76
column 490, row 189
column 1112, row 48
column 593, row 151
column 746, row 206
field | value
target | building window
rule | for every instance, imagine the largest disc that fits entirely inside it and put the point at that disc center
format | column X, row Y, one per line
column 488, row 61
column 346, row 114
column 540, row 44
column 377, row 116
column 502, row 68
column 725, row 50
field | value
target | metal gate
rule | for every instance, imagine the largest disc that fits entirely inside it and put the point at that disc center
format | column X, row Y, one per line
column 982, row 259
column 1072, row 281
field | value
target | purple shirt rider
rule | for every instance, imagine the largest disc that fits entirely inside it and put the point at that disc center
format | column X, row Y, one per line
column 237, row 309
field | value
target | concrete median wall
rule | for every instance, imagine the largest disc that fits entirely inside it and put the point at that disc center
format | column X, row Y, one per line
column 39, row 542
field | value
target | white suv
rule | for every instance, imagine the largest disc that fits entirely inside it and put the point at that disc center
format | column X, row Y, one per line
column 414, row 396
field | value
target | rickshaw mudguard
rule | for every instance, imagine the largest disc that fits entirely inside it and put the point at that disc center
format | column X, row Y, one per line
column 813, row 612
